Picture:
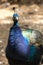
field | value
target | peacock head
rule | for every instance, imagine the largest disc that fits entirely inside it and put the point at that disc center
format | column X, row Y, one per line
column 15, row 18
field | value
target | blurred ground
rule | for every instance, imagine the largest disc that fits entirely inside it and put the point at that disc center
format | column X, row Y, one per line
column 29, row 16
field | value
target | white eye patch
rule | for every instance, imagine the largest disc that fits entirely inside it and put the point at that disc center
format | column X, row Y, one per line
column 17, row 18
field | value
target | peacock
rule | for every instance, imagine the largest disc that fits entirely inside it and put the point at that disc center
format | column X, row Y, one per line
column 22, row 44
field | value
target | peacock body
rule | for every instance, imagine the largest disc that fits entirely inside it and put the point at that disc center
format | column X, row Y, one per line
column 19, row 47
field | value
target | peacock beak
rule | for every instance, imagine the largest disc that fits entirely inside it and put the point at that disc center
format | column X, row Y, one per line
column 17, row 18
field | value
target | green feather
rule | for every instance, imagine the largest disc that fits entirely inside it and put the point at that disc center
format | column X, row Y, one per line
column 26, row 34
column 33, row 35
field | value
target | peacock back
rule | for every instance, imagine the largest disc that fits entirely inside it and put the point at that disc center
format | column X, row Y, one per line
column 33, row 35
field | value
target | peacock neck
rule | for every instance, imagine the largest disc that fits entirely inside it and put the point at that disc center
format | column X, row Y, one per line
column 16, row 23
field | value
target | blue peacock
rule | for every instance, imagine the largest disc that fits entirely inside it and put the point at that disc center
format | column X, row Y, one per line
column 21, row 43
